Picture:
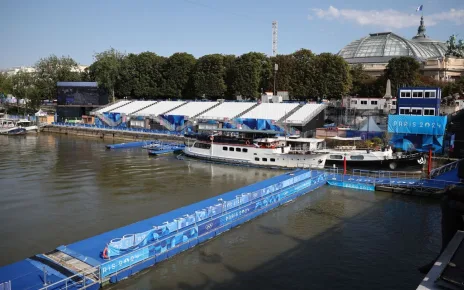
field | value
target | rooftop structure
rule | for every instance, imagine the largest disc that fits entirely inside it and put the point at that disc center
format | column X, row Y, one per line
column 375, row 50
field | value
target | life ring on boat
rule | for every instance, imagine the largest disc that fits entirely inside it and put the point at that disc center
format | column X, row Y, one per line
column 105, row 253
column 211, row 138
column 247, row 142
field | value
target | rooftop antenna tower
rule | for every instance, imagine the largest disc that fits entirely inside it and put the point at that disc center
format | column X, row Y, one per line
column 274, row 38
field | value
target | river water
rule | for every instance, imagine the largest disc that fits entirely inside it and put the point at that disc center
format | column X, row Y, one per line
column 58, row 189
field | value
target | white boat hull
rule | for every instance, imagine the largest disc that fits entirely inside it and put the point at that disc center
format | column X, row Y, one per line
column 250, row 155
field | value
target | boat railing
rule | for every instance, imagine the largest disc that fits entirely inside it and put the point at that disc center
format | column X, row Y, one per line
column 445, row 168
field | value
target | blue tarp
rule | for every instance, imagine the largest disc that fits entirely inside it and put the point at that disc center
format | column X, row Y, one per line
column 259, row 124
column 426, row 125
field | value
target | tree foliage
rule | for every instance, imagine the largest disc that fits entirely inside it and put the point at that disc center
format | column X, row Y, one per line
column 176, row 72
column 283, row 76
column 333, row 76
column 303, row 74
column 402, row 71
column 24, row 86
column 53, row 69
column 208, row 76
column 106, row 68
column 6, row 85
column 249, row 71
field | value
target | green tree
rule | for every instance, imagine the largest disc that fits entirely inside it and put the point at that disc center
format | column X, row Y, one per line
column 284, row 74
column 177, row 70
column 303, row 74
column 24, row 85
column 85, row 75
column 53, row 69
column 128, row 78
column 105, row 69
column 249, row 71
column 402, row 71
column 229, row 77
column 208, row 76
column 150, row 75
column 333, row 76
column 364, row 85
column 6, row 85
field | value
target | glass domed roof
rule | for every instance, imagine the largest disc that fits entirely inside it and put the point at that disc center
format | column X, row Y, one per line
column 437, row 47
column 384, row 46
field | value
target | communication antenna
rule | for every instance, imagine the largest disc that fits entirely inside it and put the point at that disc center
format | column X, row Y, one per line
column 274, row 38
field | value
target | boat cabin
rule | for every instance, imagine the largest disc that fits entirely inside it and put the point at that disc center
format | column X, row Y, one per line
column 7, row 123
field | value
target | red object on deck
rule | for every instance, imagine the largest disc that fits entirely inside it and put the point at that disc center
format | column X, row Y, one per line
column 429, row 166
column 344, row 165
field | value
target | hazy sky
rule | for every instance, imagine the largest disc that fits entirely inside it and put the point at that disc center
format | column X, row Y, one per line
column 32, row 29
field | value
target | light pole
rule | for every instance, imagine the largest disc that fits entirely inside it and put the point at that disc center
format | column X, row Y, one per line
column 276, row 67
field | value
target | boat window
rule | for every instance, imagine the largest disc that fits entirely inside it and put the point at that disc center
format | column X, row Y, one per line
column 256, row 159
column 202, row 145
column 245, row 150
column 264, row 159
column 255, row 154
column 357, row 157
column 336, row 157
column 238, row 149
column 272, row 160
column 231, row 148
column 224, row 148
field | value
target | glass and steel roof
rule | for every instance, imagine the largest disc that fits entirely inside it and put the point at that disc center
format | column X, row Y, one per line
column 383, row 46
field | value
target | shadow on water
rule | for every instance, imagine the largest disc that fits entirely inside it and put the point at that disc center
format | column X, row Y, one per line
column 369, row 250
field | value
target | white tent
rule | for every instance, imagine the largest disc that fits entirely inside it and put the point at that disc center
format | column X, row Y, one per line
column 371, row 126
column 40, row 113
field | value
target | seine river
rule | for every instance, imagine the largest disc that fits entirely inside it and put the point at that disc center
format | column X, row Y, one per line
column 58, row 189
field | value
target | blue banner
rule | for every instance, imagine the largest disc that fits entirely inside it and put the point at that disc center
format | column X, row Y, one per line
column 118, row 264
column 425, row 125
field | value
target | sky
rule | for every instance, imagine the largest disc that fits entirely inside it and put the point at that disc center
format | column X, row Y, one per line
column 34, row 29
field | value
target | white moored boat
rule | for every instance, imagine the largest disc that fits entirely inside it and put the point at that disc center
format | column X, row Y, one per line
column 254, row 148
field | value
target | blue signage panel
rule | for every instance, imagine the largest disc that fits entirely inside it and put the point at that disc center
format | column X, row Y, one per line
column 425, row 125
column 118, row 264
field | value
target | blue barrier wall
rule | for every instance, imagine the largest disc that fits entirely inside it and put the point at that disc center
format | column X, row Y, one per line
column 184, row 232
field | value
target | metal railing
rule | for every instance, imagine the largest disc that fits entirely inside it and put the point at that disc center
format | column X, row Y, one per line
column 82, row 279
column 445, row 168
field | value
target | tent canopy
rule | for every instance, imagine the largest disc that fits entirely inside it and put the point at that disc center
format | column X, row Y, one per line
column 371, row 125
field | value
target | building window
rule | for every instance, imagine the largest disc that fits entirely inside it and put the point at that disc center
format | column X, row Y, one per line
column 238, row 149
column 373, row 102
column 245, row 150
column 363, row 102
column 405, row 111
column 416, row 111
column 429, row 112
column 264, row 159
column 224, row 148
column 256, row 159
column 429, row 95
column 354, row 102
column 405, row 94
column 272, row 160
column 417, row 94
column 231, row 148
column 394, row 103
